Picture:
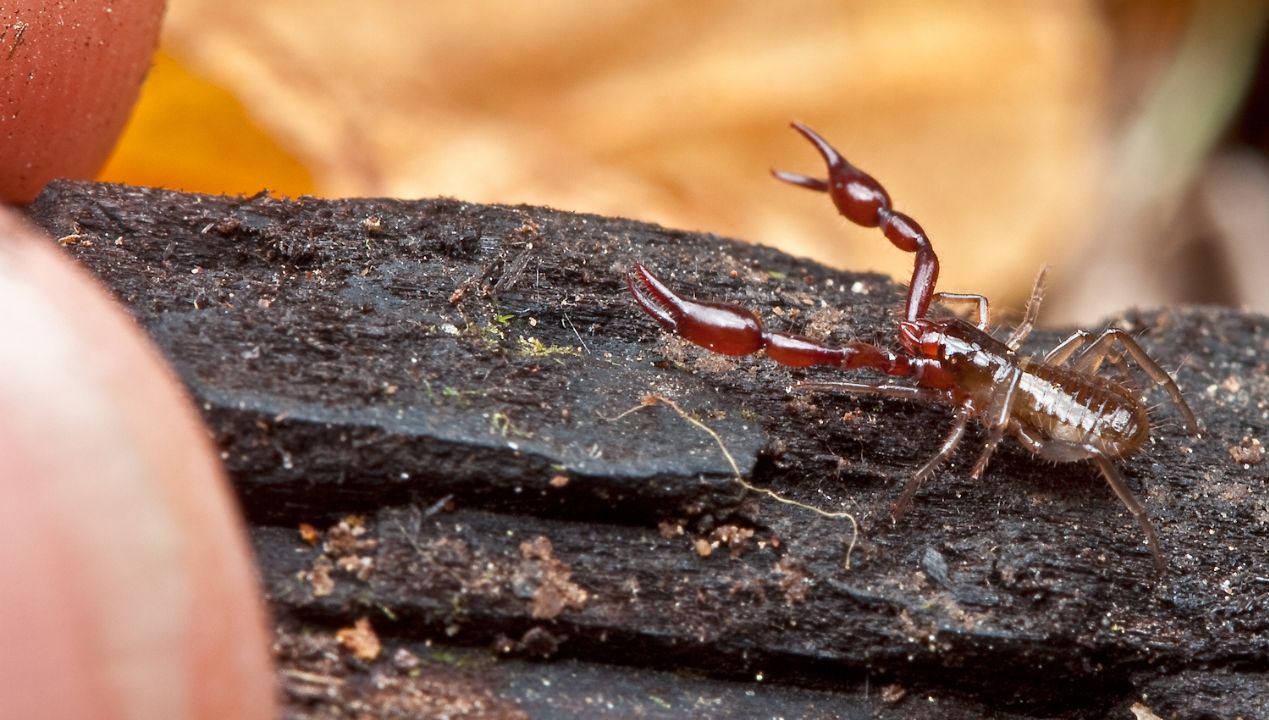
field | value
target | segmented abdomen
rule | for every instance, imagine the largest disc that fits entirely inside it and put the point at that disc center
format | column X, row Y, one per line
column 1056, row 403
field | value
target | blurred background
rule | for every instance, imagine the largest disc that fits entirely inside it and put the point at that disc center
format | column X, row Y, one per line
column 1121, row 143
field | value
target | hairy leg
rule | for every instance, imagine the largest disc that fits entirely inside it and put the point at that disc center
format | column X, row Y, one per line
column 1112, row 341
column 1065, row 349
column 997, row 420
column 1021, row 332
column 979, row 301
column 1116, row 481
column 901, row 506
column 881, row 389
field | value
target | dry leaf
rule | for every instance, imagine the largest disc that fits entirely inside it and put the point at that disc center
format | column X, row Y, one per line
column 984, row 119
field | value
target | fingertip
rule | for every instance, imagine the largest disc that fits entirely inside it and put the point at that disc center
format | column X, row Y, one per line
column 136, row 594
column 71, row 74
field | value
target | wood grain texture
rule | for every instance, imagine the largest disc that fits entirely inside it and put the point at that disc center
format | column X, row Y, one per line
column 449, row 372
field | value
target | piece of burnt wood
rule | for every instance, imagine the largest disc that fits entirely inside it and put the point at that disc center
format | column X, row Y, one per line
column 457, row 374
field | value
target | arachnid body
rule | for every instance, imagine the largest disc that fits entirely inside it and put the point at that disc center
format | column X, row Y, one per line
column 1057, row 406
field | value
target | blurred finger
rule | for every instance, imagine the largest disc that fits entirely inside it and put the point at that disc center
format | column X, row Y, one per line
column 128, row 589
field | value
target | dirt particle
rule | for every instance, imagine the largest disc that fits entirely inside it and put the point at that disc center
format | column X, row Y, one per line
column 405, row 660
column 343, row 538
column 360, row 640
column 319, row 577
column 734, row 537
column 539, row 642
column 793, row 582
column 670, row 528
column 548, row 580
column 539, row 548
column 345, row 549
column 1248, row 452
column 309, row 534
column 821, row 324
column 360, row 567
column 709, row 363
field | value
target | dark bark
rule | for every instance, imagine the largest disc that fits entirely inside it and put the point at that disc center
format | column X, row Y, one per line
column 446, row 370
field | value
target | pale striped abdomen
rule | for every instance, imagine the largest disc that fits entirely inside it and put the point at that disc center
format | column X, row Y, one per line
column 1058, row 404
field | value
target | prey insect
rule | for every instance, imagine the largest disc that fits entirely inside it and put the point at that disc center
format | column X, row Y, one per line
column 1056, row 406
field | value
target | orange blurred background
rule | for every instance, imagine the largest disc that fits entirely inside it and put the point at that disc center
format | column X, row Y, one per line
column 1092, row 136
